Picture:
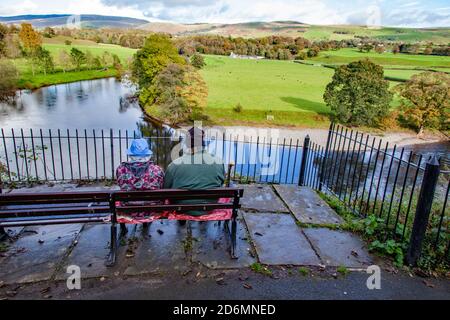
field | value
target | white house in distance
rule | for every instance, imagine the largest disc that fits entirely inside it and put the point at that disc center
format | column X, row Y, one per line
column 243, row 56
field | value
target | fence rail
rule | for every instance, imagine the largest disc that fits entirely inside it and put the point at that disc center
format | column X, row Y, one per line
column 92, row 155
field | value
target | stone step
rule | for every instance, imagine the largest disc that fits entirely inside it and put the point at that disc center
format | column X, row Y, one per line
column 278, row 240
column 307, row 206
column 262, row 198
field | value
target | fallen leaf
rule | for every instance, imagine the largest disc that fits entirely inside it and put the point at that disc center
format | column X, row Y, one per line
column 247, row 286
column 102, row 279
column 45, row 290
column 129, row 255
column 258, row 234
column 117, row 273
column 47, row 296
column 428, row 284
column 220, row 281
column 243, row 278
column 160, row 231
column 41, row 241
column 354, row 253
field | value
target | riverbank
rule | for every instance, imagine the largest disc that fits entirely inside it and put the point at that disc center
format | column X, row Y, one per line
column 319, row 136
column 28, row 81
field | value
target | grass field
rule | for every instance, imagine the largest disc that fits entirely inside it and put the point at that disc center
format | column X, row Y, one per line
column 55, row 45
column 290, row 92
column 386, row 59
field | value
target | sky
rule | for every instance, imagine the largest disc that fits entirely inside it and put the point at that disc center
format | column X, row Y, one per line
column 401, row 13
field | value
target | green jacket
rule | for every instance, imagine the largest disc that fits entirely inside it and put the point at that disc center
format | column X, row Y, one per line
column 195, row 171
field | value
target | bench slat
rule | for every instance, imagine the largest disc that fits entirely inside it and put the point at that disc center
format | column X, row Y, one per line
column 52, row 211
column 177, row 207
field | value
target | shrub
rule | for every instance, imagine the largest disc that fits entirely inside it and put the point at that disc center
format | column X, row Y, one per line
column 238, row 108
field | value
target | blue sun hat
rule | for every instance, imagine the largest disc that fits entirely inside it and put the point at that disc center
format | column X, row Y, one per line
column 139, row 148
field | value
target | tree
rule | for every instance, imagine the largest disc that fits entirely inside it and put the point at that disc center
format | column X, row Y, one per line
column 181, row 94
column 64, row 60
column 156, row 54
column 8, row 80
column 3, row 33
column 425, row 100
column 428, row 50
column 313, row 52
column 358, row 93
column 197, row 61
column 30, row 38
column 44, row 60
column 78, row 58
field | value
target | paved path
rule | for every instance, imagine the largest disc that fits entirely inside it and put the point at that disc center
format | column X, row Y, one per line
column 268, row 233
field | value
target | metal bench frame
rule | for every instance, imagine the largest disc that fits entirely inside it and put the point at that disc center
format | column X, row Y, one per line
column 28, row 209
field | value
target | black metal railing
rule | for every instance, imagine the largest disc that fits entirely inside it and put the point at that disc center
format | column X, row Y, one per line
column 28, row 156
column 371, row 177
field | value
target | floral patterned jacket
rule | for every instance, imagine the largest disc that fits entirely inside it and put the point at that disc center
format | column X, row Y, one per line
column 139, row 176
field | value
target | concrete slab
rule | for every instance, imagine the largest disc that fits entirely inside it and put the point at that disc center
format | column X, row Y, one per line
column 211, row 245
column 278, row 240
column 339, row 248
column 260, row 197
column 90, row 253
column 161, row 250
column 36, row 254
column 307, row 206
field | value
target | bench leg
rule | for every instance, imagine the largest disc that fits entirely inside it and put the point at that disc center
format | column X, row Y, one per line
column 123, row 229
column 113, row 247
column 233, row 238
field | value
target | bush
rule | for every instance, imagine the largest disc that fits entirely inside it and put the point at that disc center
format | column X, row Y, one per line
column 198, row 61
column 238, row 108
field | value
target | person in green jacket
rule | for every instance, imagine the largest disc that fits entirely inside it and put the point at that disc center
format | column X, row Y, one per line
column 196, row 169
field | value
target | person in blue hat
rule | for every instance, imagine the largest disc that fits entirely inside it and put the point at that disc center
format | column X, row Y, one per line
column 138, row 174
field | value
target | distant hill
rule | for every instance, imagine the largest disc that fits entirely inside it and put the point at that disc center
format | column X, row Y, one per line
column 245, row 29
column 87, row 21
column 296, row 29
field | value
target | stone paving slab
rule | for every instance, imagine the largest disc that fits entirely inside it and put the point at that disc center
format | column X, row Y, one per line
column 90, row 253
column 159, row 251
column 37, row 253
column 339, row 248
column 278, row 240
column 307, row 206
column 211, row 245
column 260, row 197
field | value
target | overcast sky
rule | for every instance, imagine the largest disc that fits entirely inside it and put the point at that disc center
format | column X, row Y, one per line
column 410, row 13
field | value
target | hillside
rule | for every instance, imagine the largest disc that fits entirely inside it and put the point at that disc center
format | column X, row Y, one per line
column 87, row 21
column 311, row 32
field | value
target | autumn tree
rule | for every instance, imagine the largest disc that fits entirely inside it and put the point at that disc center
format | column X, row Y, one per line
column 181, row 94
column 358, row 93
column 425, row 100
column 30, row 38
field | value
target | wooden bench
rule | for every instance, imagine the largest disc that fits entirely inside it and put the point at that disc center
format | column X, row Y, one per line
column 28, row 209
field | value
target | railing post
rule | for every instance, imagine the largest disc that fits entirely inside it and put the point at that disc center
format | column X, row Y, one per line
column 301, row 180
column 324, row 160
column 429, row 182
column 111, row 135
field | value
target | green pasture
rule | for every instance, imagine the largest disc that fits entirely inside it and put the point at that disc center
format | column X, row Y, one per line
column 348, row 55
column 290, row 92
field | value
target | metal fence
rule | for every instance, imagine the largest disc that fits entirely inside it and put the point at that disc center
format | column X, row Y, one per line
column 407, row 191
column 93, row 155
